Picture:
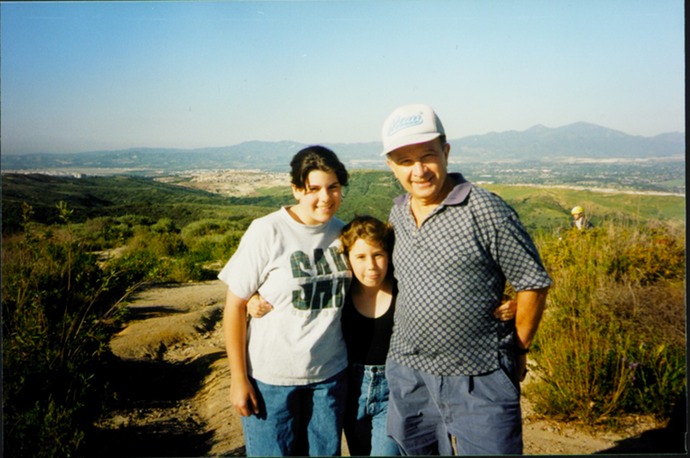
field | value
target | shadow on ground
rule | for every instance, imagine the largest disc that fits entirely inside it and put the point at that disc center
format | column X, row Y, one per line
column 669, row 440
column 154, row 440
column 151, row 414
column 152, row 311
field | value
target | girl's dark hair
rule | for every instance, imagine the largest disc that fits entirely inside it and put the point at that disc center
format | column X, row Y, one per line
column 370, row 229
column 316, row 158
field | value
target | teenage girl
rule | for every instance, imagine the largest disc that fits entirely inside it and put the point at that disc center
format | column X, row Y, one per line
column 288, row 370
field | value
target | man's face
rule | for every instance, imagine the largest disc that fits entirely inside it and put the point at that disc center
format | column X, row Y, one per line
column 421, row 169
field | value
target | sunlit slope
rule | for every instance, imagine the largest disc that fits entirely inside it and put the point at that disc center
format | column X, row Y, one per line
column 369, row 192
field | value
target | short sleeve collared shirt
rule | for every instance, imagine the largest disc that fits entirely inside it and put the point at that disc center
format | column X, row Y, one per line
column 451, row 273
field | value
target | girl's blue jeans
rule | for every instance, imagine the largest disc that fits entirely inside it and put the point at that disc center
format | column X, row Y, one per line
column 366, row 412
column 304, row 420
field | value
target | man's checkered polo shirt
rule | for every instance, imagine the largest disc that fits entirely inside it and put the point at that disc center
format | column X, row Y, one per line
column 451, row 275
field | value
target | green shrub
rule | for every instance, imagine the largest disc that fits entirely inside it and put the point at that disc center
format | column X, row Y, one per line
column 56, row 310
column 205, row 227
column 165, row 226
column 658, row 377
column 612, row 338
column 177, row 257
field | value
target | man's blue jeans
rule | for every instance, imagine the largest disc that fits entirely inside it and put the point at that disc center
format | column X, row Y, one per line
column 297, row 420
column 367, row 409
column 482, row 412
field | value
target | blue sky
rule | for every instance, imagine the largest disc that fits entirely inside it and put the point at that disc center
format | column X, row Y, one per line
column 84, row 76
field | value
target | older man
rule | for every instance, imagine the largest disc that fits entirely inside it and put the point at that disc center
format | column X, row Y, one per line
column 453, row 369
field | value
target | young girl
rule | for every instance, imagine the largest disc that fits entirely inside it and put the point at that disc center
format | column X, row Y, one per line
column 367, row 326
column 288, row 369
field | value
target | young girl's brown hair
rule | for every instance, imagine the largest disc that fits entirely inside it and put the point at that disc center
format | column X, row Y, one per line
column 370, row 229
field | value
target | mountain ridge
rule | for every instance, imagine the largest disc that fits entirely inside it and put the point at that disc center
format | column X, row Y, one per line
column 580, row 139
column 537, row 143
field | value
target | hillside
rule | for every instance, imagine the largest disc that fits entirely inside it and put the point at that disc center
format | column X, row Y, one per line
column 187, row 199
column 152, row 375
column 183, row 200
column 90, row 197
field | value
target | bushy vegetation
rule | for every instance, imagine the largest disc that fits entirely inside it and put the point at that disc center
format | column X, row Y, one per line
column 613, row 337
column 369, row 193
column 58, row 310
column 612, row 340
column 102, row 197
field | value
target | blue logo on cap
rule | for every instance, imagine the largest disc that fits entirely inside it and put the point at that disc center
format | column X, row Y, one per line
column 403, row 122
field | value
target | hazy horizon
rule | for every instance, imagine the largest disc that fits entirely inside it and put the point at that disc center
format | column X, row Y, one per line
column 153, row 147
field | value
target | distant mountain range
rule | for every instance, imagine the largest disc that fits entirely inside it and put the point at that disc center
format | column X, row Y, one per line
column 539, row 143
column 581, row 139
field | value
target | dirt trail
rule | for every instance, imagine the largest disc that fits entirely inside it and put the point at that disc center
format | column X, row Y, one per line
column 172, row 380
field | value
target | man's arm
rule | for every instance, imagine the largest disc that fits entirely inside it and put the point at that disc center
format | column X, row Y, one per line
column 530, row 307
column 242, row 395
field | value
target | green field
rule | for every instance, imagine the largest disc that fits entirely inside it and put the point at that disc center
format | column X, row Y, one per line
column 548, row 208
column 369, row 192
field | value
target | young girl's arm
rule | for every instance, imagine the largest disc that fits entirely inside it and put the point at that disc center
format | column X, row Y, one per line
column 506, row 311
column 242, row 395
column 257, row 306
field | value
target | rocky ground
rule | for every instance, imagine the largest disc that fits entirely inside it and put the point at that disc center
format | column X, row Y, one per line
column 172, row 379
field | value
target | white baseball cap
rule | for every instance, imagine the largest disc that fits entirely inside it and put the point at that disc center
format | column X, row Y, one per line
column 409, row 125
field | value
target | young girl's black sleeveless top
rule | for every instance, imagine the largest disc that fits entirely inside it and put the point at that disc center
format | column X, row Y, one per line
column 367, row 339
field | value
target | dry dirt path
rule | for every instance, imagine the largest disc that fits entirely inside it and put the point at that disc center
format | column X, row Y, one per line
column 172, row 380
